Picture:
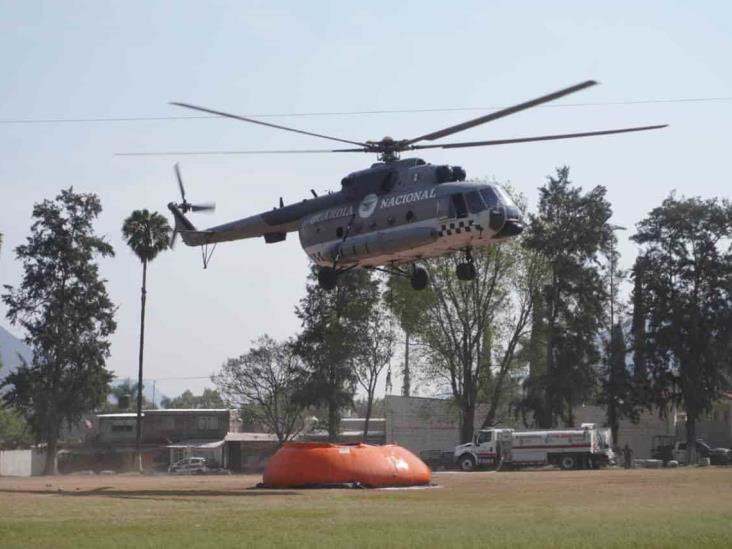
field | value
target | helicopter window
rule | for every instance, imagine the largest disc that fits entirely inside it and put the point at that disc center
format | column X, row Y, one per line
column 443, row 206
column 505, row 198
column 339, row 232
column 474, row 202
column 458, row 205
column 410, row 216
column 489, row 196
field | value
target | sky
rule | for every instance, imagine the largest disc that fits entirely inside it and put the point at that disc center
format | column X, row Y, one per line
column 89, row 60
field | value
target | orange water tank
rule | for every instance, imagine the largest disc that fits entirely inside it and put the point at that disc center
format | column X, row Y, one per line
column 300, row 464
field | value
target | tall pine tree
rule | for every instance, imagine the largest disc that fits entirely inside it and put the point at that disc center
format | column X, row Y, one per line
column 63, row 307
column 571, row 231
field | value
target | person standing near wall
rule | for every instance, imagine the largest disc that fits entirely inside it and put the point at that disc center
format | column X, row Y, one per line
column 627, row 457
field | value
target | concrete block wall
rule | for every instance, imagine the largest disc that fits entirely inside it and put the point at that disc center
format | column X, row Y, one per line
column 22, row 463
column 639, row 436
column 430, row 424
column 424, row 424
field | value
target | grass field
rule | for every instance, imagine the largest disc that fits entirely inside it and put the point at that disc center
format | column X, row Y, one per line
column 614, row 508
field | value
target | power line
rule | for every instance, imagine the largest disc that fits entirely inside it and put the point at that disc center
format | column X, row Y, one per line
column 352, row 113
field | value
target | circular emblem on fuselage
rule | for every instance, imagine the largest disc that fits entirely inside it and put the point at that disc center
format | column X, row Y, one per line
column 367, row 206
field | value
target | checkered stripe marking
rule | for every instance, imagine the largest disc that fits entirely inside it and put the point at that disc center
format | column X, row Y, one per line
column 458, row 227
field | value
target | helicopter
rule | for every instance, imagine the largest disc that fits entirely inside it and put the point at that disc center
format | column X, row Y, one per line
column 392, row 215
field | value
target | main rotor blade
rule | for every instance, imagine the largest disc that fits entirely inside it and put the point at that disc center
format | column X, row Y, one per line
column 277, row 126
column 500, row 114
column 180, row 182
column 538, row 138
column 202, row 153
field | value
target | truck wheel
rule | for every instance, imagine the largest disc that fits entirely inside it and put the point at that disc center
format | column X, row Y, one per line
column 567, row 462
column 466, row 462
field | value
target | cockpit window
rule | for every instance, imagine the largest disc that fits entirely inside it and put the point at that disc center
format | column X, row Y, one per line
column 458, row 205
column 489, row 196
column 507, row 201
column 475, row 204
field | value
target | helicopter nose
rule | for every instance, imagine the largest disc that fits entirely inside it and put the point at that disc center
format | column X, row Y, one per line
column 512, row 227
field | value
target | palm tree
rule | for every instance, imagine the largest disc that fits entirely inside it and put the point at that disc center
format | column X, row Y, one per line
column 147, row 234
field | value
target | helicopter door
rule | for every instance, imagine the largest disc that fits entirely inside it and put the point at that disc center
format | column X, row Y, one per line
column 459, row 209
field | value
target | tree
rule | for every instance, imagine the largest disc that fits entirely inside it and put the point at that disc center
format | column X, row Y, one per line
column 685, row 275
column 375, row 350
column 470, row 331
column 618, row 391
column 571, row 231
column 210, row 398
column 407, row 306
column 332, row 326
column 512, row 327
column 63, row 307
column 125, row 395
column 147, row 234
column 264, row 381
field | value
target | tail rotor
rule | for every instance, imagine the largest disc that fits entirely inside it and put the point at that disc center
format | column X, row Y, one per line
column 184, row 206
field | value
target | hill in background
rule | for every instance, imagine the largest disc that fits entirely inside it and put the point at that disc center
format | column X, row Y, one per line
column 10, row 347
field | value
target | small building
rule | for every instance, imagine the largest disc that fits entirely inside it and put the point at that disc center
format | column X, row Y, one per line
column 249, row 452
column 167, row 435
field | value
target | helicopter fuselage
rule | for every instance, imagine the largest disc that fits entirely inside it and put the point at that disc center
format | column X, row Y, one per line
column 389, row 214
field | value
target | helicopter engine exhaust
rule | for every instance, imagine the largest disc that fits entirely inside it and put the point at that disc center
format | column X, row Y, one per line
column 382, row 243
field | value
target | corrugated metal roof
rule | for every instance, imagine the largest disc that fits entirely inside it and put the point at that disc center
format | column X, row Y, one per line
column 197, row 443
column 189, row 410
column 251, row 437
column 168, row 411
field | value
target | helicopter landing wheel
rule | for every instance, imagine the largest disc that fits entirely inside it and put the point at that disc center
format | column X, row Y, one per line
column 466, row 271
column 327, row 278
column 419, row 279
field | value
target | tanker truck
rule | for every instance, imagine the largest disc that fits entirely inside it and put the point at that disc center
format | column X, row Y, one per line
column 585, row 448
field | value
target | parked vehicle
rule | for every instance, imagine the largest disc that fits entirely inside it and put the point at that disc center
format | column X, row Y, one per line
column 717, row 456
column 585, row 448
column 667, row 448
column 190, row 465
column 663, row 448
